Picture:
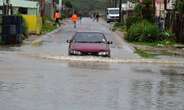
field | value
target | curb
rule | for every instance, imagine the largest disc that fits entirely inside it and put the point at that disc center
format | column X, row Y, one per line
column 39, row 41
column 157, row 50
column 121, row 36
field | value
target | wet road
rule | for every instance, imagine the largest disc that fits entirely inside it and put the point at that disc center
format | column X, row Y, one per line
column 31, row 81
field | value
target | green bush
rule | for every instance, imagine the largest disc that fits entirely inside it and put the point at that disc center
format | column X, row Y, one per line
column 143, row 31
column 147, row 2
column 132, row 20
column 145, row 10
column 118, row 24
column 180, row 6
column 138, row 9
column 25, row 29
column 48, row 25
column 63, row 16
column 167, row 35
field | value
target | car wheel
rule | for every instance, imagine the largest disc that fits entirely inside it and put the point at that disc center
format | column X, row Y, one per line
column 108, row 56
column 69, row 54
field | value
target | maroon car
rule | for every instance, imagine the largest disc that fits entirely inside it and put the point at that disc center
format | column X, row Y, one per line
column 89, row 43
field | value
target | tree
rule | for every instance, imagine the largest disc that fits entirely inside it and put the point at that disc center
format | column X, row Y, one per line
column 180, row 6
column 68, row 4
column 145, row 10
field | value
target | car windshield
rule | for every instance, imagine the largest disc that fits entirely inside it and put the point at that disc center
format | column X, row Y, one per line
column 89, row 38
column 113, row 11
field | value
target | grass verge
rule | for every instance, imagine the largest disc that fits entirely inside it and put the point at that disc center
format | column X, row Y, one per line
column 144, row 54
column 48, row 25
column 119, row 26
column 164, row 43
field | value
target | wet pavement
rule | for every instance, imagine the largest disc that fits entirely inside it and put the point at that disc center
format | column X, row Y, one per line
column 55, row 42
column 31, row 79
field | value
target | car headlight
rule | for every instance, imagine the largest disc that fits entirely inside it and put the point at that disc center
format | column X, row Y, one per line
column 75, row 52
column 103, row 53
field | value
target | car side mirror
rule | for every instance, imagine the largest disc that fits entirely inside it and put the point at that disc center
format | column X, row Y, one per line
column 68, row 41
column 109, row 42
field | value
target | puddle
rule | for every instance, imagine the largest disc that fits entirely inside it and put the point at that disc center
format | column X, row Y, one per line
column 90, row 65
column 8, row 87
column 142, row 70
column 172, row 72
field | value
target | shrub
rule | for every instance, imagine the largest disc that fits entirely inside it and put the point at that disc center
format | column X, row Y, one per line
column 118, row 24
column 145, row 10
column 143, row 31
column 25, row 29
column 48, row 25
column 147, row 2
column 138, row 9
column 167, row 35
column 180, row 6
column 132, row 20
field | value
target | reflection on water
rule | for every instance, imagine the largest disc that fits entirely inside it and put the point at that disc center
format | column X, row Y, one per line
column 9, row 87
column 89, row 65
column 143, row 70
column 10, row 48
column 172, row 70
column 166, row 94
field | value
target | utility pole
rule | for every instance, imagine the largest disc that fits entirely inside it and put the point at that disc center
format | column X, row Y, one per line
column 120, row 12
column 42, row 10
column 115, row 3
column 42, row 7
column 60, row 5
column 6, row 7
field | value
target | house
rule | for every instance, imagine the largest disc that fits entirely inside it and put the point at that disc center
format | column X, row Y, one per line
column 23, row 7
column 30, row 12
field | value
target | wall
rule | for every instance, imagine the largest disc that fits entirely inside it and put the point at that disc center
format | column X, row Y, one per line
column 34, row 23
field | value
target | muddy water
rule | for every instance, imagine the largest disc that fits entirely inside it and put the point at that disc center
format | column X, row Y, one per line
column 28, row 83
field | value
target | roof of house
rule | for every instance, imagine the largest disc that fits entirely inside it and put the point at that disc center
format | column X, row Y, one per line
column 22, row 3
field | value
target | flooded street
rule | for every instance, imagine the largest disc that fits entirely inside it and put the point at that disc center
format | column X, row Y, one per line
column 44, row 77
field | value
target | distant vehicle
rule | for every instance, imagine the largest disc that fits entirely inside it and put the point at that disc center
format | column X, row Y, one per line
column 112, row 14
column 89, row 43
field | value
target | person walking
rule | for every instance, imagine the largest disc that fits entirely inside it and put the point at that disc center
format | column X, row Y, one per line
column 97, row 17
column 57, row 17
column 74, row 19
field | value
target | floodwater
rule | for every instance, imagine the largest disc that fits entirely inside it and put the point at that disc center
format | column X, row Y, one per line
column 46, row 78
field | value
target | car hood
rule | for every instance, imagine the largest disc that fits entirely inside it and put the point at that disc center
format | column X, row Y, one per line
column 90, row 47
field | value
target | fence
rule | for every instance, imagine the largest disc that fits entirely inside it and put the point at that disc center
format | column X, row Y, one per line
column 175, row 21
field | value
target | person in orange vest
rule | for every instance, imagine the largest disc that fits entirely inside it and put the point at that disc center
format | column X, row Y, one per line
column 74, row 19
column 57, row 17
